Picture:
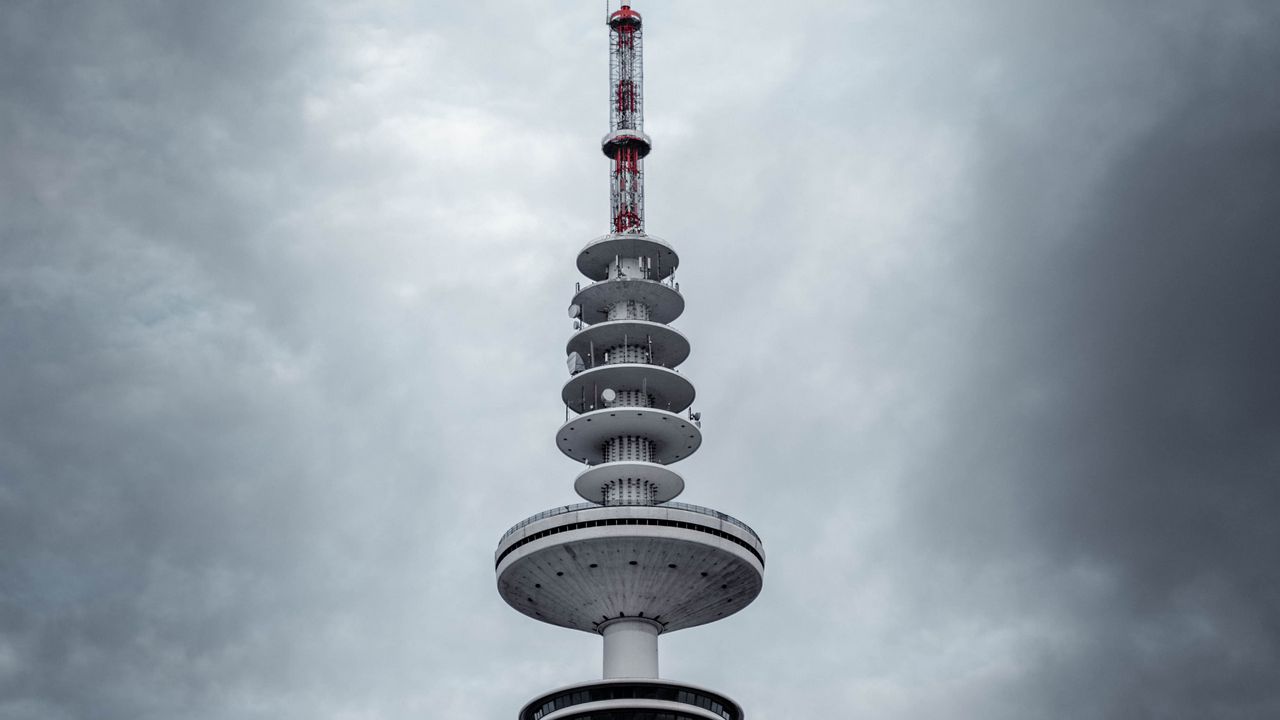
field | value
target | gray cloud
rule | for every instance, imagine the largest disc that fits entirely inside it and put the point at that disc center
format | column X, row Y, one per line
column 1131, row 413
column 979, row 299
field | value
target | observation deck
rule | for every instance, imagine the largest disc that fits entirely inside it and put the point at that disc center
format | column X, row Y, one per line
column 594, row 259
column 667, row 389
column 591, row 483
column 674, row 437
column 662, row 299
column 676, row 565
column 665, row 345
column 624, row 698
column 625, row 137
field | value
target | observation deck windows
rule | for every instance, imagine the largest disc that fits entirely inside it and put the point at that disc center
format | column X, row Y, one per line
column 685, row 696
column 661, row 522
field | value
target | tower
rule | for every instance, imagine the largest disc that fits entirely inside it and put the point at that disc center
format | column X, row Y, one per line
column 629, row 564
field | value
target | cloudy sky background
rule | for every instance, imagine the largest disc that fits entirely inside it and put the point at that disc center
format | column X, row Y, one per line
column 982, row 295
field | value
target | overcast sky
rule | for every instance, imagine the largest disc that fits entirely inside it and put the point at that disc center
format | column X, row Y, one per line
column 983, row 298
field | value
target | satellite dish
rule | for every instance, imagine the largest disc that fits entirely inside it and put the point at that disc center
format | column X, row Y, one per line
column 575, row 310
column 575, row 363
column 608, row 395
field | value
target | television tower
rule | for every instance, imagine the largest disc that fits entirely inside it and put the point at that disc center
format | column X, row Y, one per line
column 629, row 564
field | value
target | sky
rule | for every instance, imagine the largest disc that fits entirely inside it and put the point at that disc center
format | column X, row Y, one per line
column 982, row 298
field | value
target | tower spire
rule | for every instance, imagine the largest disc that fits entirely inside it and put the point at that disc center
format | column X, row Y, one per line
column 626, row 144
column 629, row 564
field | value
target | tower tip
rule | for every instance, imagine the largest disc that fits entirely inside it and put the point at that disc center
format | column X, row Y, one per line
column 624, row 16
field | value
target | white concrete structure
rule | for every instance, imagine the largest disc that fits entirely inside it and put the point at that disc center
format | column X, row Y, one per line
column 629, row 564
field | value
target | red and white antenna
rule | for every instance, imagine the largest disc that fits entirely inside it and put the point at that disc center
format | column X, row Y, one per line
column 626, row 144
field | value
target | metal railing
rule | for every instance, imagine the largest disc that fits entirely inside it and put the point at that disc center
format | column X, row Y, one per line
column 667, row 282
column 565, row 509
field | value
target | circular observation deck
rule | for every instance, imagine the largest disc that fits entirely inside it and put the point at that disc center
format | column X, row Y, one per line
column 629, row 698
column 667, row 346
column 590, row 483
column 670, row 390
column 624, row 16
column 583, row 565
column 595, row 259
column 674, row 437
column 625, row 137
column 663, row 300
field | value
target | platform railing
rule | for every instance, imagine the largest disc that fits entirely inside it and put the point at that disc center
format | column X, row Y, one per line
column 668, row 282
column 577, row 507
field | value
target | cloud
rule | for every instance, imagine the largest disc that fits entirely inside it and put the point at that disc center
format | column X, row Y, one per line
column 979, row 299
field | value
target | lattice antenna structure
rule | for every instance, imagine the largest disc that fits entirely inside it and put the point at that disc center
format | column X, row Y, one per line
column 629, row 564
column 626, row 145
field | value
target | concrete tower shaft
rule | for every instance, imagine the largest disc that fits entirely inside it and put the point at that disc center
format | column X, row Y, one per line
column 629, row 564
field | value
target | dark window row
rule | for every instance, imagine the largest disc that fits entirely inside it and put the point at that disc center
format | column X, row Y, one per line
column 713, row 703
column 628, row 521
column 633, row 715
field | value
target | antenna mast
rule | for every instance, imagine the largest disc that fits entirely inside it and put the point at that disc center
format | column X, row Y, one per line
column 626, row 144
